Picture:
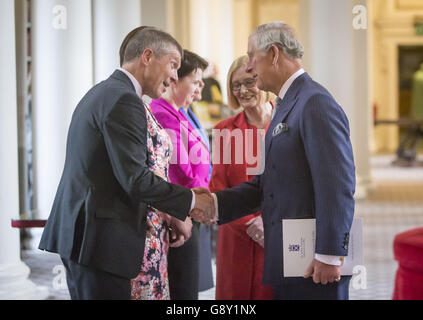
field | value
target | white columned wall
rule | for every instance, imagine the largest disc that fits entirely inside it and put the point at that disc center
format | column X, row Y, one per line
column 212, row 34
column 14, row 283
column 155, row 13
column 336, row 57
column 112, row 21
column 62, row 74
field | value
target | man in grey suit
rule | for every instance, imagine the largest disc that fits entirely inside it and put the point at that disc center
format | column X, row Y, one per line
column 309, row 169
column 98, row 220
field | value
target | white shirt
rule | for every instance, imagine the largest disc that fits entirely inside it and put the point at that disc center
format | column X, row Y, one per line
column 288, row 83
column 327, row 259
column 138, row 90
column 134, row 81
column 285, row 87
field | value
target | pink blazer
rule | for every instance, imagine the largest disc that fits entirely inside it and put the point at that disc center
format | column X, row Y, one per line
column 190, row 161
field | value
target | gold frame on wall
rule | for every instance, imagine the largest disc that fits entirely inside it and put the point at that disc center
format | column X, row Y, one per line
column 409, row 4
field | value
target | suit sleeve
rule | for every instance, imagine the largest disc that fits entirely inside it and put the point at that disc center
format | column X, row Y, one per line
column 125, row 136
column 326, row 137
column 219, row 181
column 239, row 201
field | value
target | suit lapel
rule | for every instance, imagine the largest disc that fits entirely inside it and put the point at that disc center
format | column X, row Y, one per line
column 119, row 75
column 191, row 128
column 287, row 104
column 200, row 129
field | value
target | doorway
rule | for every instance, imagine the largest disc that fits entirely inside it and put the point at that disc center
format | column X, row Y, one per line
column 410, row 59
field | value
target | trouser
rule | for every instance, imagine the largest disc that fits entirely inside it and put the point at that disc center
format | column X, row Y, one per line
column 183, row 268
column 86, row 283
column 308, row 290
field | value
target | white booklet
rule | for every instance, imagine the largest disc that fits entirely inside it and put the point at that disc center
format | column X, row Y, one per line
column 299, row 242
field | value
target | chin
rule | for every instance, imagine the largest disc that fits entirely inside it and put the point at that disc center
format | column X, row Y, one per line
column 159, row 94
column 154, row 96
column 249, row 106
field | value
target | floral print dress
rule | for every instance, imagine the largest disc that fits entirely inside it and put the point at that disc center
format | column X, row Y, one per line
column 152, row 282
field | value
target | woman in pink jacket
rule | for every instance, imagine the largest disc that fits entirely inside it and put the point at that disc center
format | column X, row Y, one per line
column 189, row 166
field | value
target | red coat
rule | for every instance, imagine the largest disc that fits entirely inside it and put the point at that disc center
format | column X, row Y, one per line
column 239, row 259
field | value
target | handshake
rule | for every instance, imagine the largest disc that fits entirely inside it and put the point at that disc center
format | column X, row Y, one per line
column 204, row 210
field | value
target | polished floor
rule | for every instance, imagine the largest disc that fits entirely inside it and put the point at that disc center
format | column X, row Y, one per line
column 395, row 204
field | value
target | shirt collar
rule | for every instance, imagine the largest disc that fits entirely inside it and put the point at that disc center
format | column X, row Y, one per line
column 289, row 82
column 134, row 81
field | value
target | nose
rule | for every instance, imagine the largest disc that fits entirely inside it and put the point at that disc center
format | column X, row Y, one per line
column 174, row 76
column 243, row 89
column 249, row 66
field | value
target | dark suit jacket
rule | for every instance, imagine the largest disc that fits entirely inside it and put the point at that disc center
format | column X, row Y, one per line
column 99, row 213
column 309, row 173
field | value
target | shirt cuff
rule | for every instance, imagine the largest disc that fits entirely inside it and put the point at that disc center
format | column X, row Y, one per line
column 216, row 204
column 331, row 260
column 192, row 202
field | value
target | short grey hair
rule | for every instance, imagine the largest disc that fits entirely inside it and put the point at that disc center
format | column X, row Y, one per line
column 279, row 34
column 158, row 41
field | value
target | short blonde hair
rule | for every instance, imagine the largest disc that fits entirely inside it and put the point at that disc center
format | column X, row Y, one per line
column 232, row 100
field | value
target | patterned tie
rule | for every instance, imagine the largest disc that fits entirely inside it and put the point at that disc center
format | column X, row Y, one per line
column 277, row 106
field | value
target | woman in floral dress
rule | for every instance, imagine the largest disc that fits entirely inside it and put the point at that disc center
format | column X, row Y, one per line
column 152, row 282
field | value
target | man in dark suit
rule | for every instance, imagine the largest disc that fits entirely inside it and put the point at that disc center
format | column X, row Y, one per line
column 98, row 220
column 309, row 169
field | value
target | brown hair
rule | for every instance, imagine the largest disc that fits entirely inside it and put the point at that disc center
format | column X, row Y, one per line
column 191, row 62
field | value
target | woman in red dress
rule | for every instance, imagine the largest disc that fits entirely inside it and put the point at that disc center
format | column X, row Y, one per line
column 239, row 253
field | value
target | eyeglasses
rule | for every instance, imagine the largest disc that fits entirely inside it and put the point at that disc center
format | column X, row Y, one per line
column 248, row 83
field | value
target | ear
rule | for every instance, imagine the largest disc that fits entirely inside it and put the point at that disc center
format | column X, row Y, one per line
column 146, row 56
column 274, row 51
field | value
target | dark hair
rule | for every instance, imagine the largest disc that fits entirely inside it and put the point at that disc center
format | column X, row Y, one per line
column 142, row 38
column 191, row 62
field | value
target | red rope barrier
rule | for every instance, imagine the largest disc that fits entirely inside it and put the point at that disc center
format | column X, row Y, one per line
column 24, row 224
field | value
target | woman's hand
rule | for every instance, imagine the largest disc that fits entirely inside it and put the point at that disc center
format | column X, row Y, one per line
column 255, row 230
column 180, row 231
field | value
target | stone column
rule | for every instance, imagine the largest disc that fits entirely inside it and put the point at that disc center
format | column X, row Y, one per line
column 62, row 74
column 336, row 56
column 211, row 34
column 112, row 21
column 155, row 13
column 205, row 27
column 21, row 27
column 14, row 283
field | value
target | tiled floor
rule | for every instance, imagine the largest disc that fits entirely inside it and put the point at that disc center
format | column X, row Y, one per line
column 394, row 205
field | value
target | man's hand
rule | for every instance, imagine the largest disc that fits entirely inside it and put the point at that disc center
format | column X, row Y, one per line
column 204, row 210
column 323, row 273
column 180, row 231
column 255, row 230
